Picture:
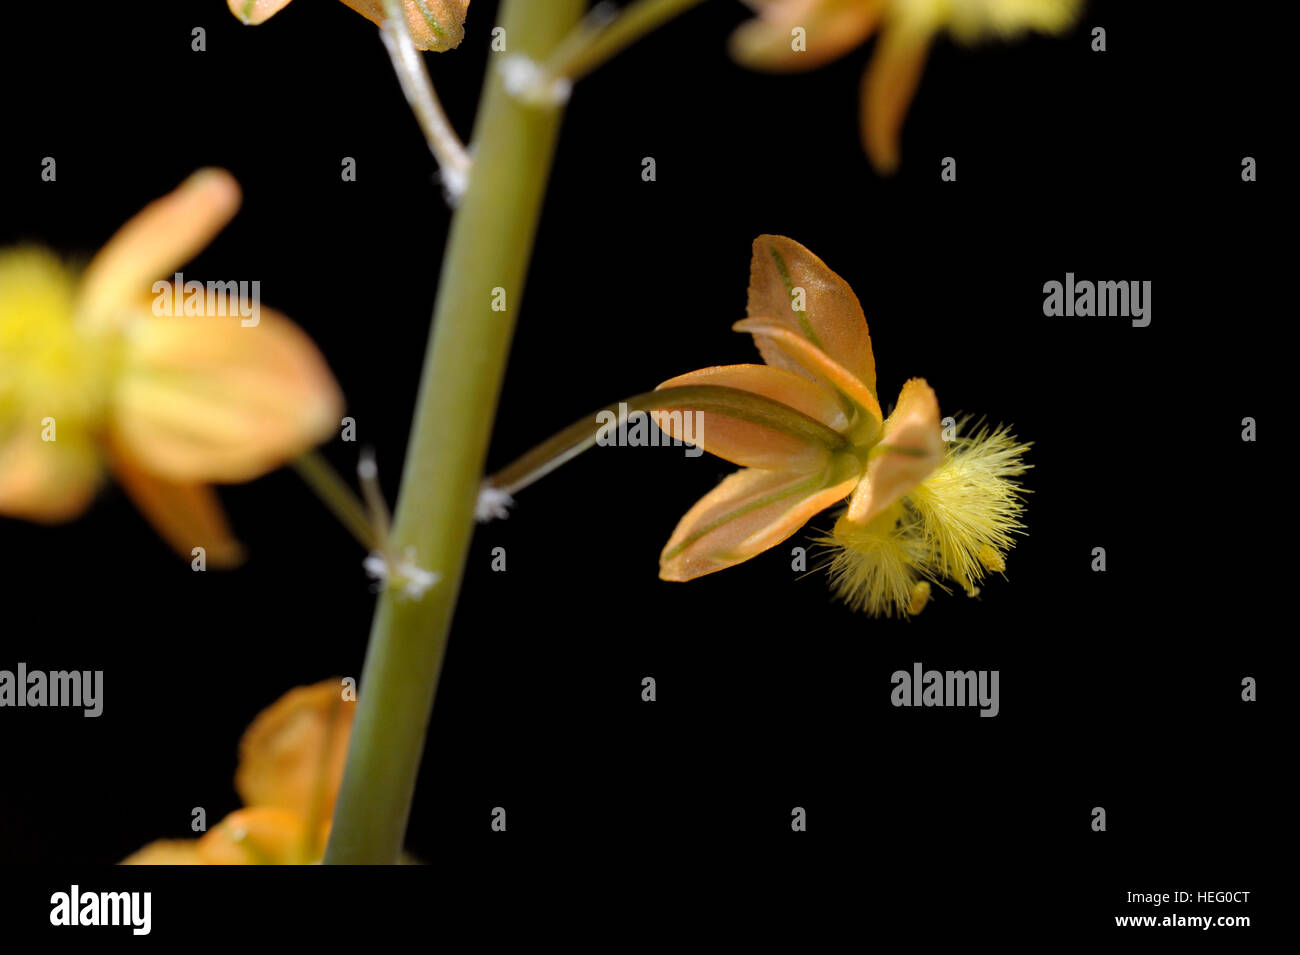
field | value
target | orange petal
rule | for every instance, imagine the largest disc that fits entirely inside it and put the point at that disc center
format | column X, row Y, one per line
column 910, row 448
column 888, row 86
column 47, row 481
column 206, row 399
column 746, row 514
column 184, row 515
column 747, row 443
column 831, row 319
column 832, row 28
column 256, row 836
column 292, row 754
column 159, row 239
column 434, row 24
column 166, row 852
column 254, row 12
column 796, row 350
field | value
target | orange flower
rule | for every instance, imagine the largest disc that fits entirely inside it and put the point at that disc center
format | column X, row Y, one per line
column 290, row 766
column 811, row 331
column 434, row 24
column 790, row 35
column 924, row 502
column 92, row 377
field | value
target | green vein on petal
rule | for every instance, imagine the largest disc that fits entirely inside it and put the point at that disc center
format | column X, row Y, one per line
column 804, row 324
column 423, row 7
column 812, row 484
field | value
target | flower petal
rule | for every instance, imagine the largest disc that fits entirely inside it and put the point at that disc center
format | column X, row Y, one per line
column 910, row 448
column 184, row 515
column 831, row 319
column 832, row 28
column 260, row 835
column 47, row 481
column 434, row 24
column 163, row 236
column 292, row 755
column 747, row 443
column 794, row 349
column 746, row 514
column 166, row 852
column 888, row 87
column 205, row 399
column 253, row 12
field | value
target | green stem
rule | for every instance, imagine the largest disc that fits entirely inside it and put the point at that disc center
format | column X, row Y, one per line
column 594, row 43
column 489, row 247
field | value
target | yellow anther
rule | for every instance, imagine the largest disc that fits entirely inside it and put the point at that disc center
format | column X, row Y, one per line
column 991, row 559
column 920, row 597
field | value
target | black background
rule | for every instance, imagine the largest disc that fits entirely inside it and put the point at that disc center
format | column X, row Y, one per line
column 1119, row 689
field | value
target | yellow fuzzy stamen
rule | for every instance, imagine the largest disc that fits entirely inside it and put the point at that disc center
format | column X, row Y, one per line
column 959, row 523
column 970, row 507
column 875, row 567
column 49, row 370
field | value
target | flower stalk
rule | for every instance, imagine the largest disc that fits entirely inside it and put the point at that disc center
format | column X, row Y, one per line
column 601, row 36
column 731, row 402
column 451, row 154
column 489, row 247
column 335, row 494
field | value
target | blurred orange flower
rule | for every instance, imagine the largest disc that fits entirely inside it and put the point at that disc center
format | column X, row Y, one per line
column 434, row 24
column 290, row 766
column 791, row 35
column 92, row 378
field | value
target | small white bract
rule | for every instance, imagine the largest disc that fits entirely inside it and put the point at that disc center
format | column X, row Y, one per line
column 528, row 82
column 493, row 504
column 413, row 579
column 455, row 180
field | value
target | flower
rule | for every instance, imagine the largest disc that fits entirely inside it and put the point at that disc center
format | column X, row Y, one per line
column 920, row 508
column 434, row 24
column 91, row 378
column 907, row 28
column 290, row 766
